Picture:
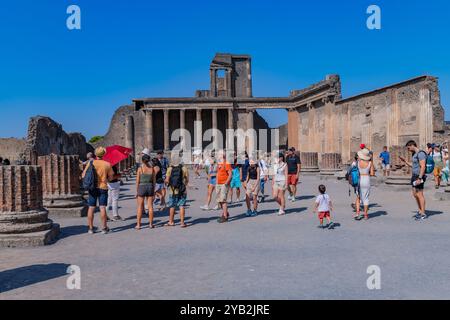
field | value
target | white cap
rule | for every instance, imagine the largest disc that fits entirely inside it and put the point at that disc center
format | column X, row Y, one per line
column 146, row 151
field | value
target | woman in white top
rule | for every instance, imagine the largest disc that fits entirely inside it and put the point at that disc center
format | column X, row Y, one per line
column 279, row 182
column 366, row 170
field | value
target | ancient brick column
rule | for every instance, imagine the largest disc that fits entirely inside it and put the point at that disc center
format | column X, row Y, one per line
column 61, row 186
column 23, row 220
column 310, row 162
column 330, row 164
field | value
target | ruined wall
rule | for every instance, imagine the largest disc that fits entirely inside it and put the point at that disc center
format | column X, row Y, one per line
column 391, row 116
column 12, row 149
column 46, row 136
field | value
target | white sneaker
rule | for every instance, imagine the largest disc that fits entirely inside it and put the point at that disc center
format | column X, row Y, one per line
column 204, row 207
column 281, row 212
column 216, row 207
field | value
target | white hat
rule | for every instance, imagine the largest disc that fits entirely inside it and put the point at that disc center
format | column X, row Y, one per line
column 146, row 151
column 364, row 154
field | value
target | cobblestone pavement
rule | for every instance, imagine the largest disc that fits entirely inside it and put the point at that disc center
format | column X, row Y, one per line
column 264, row 257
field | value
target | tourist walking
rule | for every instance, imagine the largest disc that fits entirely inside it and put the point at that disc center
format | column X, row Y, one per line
column 212, row 181
column 224, row 174
column 244, row 168
column 162, row 192
column 236, row 183
column 323, row 207
column 145, row 185
column 160, row 188
column 263, row 176
column 439, row 161
column 177, row 180
column 96, row 176
column 366, row 170
column 418, row 178
column 446, row 169
column 294, row 167
column 114, row 193
column 251, row 193
column 385, row 161
column 279, row 183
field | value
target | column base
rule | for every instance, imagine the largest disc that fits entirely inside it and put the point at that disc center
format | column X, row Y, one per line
column 66, row 206
column 33, row 239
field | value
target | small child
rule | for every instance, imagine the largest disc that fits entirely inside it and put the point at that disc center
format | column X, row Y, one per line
column 323, row 206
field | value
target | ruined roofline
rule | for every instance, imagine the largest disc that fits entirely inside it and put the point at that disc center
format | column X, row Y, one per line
column 245, row 56
column 395, row 85
column 206, row 100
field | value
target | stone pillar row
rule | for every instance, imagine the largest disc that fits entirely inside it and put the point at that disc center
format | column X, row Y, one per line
column 166, row 131
column 23, row 220
column 310, row 162
column 61, row 185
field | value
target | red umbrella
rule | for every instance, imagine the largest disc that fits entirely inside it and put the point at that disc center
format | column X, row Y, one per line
column 115, row 154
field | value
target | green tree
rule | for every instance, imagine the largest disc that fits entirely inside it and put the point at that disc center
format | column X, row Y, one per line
column 96, row 139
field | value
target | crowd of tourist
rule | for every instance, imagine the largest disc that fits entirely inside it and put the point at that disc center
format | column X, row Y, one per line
column 228, row 180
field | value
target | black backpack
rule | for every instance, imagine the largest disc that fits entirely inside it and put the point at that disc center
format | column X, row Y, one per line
column 90, row 178
column 176, row 178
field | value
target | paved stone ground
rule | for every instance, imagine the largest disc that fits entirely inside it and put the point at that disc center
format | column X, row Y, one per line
column 265, row 257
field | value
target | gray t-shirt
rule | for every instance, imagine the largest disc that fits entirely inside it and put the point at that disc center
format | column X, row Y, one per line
column 416, row 158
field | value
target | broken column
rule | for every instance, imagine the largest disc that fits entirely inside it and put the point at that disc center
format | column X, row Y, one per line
column 23, row 220
column 330, row 163
column 61, row 186
column 310, row 162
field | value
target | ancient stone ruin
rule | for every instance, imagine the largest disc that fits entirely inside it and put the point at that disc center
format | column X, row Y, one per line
column 23, row 220
column 61, row 185
column 319, row 119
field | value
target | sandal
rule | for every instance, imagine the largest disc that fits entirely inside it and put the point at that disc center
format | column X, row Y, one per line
column 222, row 220
column 168, row 224
column 137, row 228
column 183, row 225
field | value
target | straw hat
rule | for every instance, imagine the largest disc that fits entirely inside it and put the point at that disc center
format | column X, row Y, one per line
column 100, row 152
column 364, row 154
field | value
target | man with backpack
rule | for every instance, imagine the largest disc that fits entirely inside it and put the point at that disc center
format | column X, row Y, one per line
column 418, row 178
column 96, row 176
column 177, row 179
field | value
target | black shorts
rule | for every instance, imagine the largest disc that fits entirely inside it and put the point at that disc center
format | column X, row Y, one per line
column 146, row 190
column 419, row 186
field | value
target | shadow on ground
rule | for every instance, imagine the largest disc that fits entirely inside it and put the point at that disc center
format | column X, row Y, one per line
column 29, row 275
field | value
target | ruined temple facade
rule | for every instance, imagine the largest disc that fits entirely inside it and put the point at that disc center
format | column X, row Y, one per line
column 319, row 118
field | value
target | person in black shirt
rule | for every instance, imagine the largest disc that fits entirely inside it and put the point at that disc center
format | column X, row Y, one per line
column 160, row 190
column 294, row 166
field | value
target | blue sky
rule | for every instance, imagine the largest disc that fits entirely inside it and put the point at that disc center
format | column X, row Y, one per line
column 130, row 49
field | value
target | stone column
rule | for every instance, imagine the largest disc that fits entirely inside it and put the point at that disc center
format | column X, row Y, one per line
column 183, row 127
column 61, row 186
column 214, row 127
column 149, row 128
column 249, row 72
column 251, row 134
column 23, row 220
column 230, row 131
column 330, row 163
column 228, row 82
column 425, row 118
column 213, row 80
column 199, row 130
column 310, row 162
column 166, row 130
column 129, row 137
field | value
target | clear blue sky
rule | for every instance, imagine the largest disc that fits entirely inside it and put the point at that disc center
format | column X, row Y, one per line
column 130, row 49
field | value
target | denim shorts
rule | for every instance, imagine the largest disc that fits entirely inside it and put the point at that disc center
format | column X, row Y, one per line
column 177, row 201
column 99, row 195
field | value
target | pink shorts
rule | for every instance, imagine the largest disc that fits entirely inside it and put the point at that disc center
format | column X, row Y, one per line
column 324, row 214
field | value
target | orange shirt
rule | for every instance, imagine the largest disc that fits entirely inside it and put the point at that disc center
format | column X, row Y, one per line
column 104, row 172
column 223, row 171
